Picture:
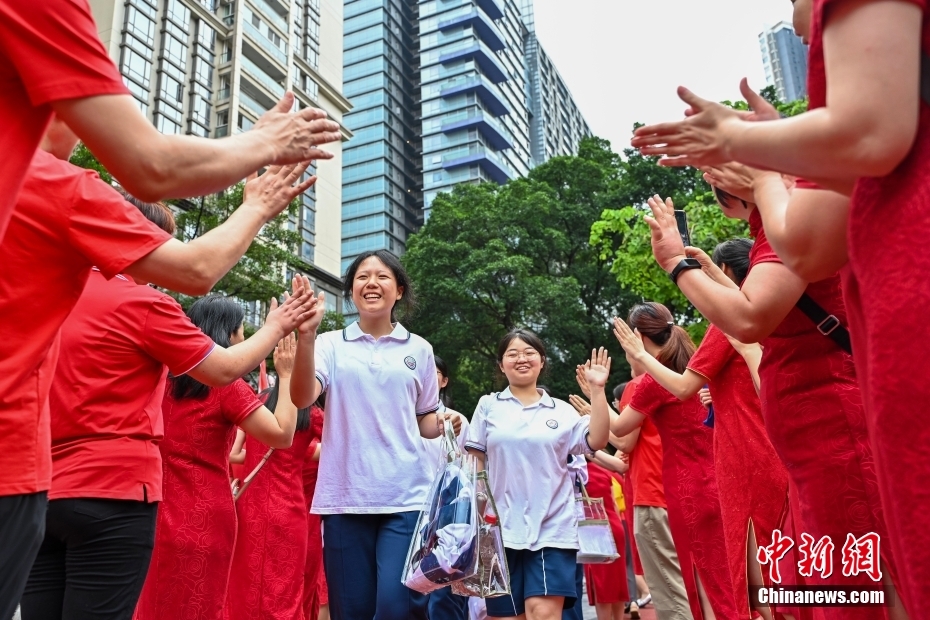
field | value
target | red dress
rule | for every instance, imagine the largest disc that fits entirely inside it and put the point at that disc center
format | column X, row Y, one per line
column 887, row 297
column 314, row 579
column 752, row 482
column 607, row 582
column 271, row 546
column 814, row 417
column 691, row 489
column 196, row 528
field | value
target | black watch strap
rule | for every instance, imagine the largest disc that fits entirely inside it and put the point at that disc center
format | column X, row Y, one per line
column 684, row 265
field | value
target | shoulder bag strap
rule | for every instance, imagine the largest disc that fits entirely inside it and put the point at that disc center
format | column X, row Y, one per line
column 827, row 324
column 251, row 476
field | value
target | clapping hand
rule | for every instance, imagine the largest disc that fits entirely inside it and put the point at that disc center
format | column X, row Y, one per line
column 582, row 381
column 597, row 369
column 581, row 405
column 628, row 339
column 667, row 246
column 284, row 356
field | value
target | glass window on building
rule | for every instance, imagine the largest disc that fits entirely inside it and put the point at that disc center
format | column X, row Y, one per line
column 136, row 67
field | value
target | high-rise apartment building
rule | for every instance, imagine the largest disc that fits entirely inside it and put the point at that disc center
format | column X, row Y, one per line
column 784, row 57
column 212, row 67
column 444, row 92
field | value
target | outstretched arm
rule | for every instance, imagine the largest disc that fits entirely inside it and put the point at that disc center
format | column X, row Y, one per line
column 683, row 386
column 153, row 166
column 597, row 371
column 195, row 267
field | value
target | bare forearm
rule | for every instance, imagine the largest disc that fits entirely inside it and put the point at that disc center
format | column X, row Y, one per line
column 599, row 426
column 610, row 462
column 285, row 412
column 304, row 391
column 626, row 443
column 726, row 308
column 683, row 386
column 240, row 359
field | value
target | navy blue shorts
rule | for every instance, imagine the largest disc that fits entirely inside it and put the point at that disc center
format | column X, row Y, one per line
column 546, row 572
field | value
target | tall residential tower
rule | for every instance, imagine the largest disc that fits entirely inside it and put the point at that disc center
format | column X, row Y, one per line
column 212, row 67
column 784, row 56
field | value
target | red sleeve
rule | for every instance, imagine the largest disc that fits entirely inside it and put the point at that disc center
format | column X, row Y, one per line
column 713, row 354
column 761, row 251
column 650, row 397
column 170, row 337
column 316, row 422
column 239, row 401
column 109, row 231
column 54, row 47
column 800, row 183
column 628, row 392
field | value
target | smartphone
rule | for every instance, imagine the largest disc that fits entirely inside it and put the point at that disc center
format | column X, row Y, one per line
column 681, row 218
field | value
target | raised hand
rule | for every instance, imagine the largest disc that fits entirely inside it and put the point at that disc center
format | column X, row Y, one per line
column 762, row 110
column 597, row 369
column 701, row 139
column 312, row 321
column 628, row 339
column 582, row 381
column 274, row 190
column 284, row 355
column 581, row 405
column 667, row 246
column 294, row 137
column 734, row 178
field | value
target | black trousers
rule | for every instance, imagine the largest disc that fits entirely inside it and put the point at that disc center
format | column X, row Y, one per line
column 22, row 525
column 93, row 561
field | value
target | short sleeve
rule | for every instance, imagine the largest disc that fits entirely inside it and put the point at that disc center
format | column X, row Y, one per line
column 713, row 355
column 628, row 392
column 650, row 397
column 106, row 229
column 323, row 359
column 238, row 401
column 55, row 50
column 169, row 336
column 477, row 438
column 428, row 398
column 578, row 440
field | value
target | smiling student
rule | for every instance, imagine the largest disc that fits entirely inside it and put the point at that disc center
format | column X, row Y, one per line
column 524, row 438
column 382, row 396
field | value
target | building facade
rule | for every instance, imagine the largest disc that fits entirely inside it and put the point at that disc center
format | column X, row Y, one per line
column 444, row 92
column 784, row 57
column 211, row 68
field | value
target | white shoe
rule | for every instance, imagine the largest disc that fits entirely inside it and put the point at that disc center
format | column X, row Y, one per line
column 644, row 601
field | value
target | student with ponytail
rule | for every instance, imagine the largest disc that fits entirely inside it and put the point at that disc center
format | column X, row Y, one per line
column 688, row 461
column 752, row 482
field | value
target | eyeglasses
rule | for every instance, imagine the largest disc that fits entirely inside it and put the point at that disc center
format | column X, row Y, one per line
column 529, row 354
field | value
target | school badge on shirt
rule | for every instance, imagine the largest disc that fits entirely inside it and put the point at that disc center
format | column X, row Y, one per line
column 552, row 424
column 410, row 362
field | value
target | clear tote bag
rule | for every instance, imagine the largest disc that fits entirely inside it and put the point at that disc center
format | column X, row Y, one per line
column 596, row 544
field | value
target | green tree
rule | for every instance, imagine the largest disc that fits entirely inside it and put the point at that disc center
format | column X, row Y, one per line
column 491, row 258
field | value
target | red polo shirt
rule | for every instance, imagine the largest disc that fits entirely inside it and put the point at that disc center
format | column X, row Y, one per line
column 116, row 350
column 646, row 459
column 66, row 220
column 49, row 51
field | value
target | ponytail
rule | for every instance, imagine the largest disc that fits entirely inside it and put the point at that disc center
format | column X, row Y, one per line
column 654, row 321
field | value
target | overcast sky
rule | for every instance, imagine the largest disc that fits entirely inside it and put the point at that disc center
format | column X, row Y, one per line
column 623, row 59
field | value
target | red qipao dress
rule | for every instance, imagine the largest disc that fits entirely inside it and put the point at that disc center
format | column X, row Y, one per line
column 315, row 593
column 691, row 489
column 814, row 416
column 196, row 528
column 751, row 480
column 887, row 298
column 271, row 546
column 607, row 582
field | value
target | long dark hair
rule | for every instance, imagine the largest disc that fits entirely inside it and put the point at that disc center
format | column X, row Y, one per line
column 270, row 397
column 408, row 301
column 654, row 321
column 735, row 255
column 443, row 369
column 219, row 318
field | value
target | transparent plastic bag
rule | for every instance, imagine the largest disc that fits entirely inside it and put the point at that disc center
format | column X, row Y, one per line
column 492, row 577
column 596, row 544
column 444, row 547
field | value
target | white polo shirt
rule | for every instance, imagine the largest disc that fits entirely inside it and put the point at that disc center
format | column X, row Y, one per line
column 374, row 461
column 528, row 451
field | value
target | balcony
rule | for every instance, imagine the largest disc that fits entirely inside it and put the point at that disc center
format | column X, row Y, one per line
column 495, row 133
column 492, row 163
column 257, row 74
column 492, row 8
column 484, row 28
column 481, row 54
column 267, row 12
column 222, row 131
column 486, row 91
column 267, row 46
column 251, row 104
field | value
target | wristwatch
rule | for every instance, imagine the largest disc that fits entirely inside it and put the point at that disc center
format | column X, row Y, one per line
column 684, row 265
